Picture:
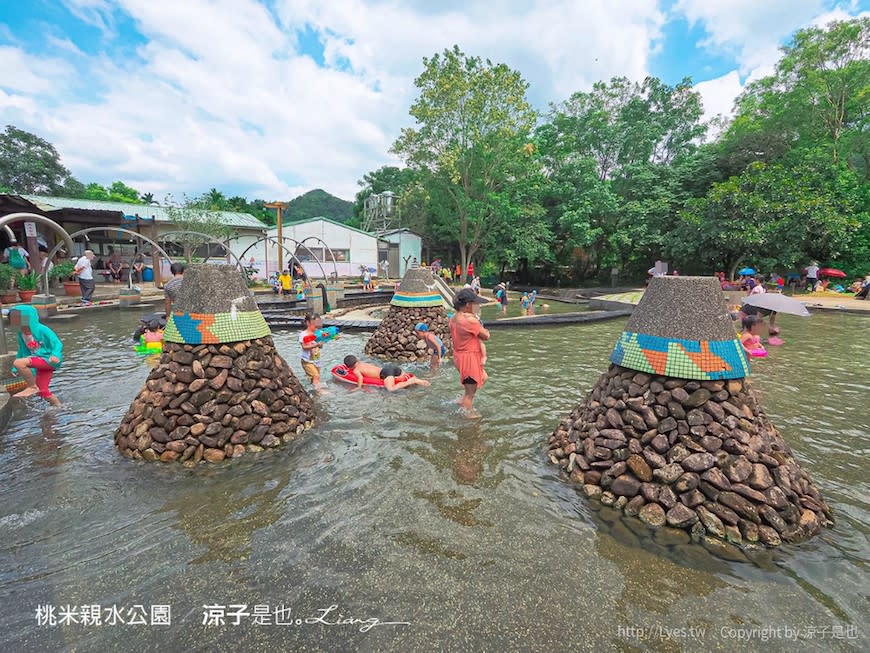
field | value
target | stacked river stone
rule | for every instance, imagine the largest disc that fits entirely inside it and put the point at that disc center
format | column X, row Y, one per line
column 220, row 388
column 674, row 434
column 416, row 300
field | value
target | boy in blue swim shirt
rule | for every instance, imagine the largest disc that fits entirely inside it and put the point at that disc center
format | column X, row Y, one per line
column 433, row 344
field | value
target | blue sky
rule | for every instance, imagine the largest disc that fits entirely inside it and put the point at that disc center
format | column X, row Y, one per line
column 269, row 99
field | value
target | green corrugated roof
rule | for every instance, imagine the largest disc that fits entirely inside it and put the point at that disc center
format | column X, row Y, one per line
column 159, row 213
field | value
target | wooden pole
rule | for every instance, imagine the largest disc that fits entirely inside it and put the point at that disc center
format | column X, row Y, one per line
column 279, row 206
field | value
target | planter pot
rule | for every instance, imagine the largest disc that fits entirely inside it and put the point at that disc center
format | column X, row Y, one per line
column 9, row 297
column 26, row 295
column 72, row 288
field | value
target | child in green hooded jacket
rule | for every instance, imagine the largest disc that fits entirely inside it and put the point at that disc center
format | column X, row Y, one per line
column 38, row 348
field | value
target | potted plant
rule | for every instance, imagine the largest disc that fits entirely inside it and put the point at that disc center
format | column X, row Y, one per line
column 27, row 285
column 63, row 271
column 8, row 294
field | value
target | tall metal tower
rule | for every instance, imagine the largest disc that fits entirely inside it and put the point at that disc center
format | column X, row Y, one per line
column 380, row 212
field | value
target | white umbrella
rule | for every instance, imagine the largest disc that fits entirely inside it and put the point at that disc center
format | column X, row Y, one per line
column 777, row 302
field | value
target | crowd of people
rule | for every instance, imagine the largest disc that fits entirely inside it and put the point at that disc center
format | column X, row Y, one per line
column 811, row 279
column 469, row 353
column 40, row 350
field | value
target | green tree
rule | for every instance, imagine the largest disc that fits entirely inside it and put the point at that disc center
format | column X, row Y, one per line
column 214, row 200
column 147, row 198
column 777, row 215
column 29, row 164
column 613, row 158
column 819, row 93
column 72, row 187
column 93, row 191
column 198, row 224
column 472, row 124
column 121, row 192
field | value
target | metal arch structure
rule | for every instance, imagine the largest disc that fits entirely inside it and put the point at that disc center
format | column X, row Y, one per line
column 267, row 239
column 305, row 247
column 327, row 248
column 209, row 238
column 41, row 219
column 292, row 254
column 85, row 232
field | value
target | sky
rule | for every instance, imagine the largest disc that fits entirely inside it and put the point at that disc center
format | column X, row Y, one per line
column 268, row 99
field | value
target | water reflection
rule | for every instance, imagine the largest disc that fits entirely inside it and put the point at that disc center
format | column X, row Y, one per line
column 394, row 505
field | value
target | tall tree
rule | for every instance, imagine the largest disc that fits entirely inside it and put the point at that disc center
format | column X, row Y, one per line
column 29, row 164
column 198, row 222
column 472, row 124
column 820, row 91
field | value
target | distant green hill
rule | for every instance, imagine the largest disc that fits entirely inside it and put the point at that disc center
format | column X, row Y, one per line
column 316, row 203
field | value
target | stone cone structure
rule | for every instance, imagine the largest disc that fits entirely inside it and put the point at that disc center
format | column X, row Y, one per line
column 220, row 388
column 416, row 300
column 674, row 433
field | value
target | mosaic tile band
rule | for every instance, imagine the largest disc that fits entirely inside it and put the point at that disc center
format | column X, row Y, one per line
column 416, row 300
column 705, row 360
column 214, row 328
column 13, row 385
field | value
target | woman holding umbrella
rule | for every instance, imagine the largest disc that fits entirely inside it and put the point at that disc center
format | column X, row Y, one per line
column 769, row 304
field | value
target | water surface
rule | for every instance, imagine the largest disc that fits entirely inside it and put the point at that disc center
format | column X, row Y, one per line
column 396, row 508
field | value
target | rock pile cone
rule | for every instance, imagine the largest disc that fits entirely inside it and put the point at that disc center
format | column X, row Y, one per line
column 416, row 300
column 674, row 434
column 220, row 388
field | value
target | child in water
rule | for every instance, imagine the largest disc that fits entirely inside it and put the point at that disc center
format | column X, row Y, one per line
column 469, row 356
column 524, row 302
column 750, row 339
column 153, row 332
column 392, row 375
column 39, row 349
column 433, row 345
column 311, row 350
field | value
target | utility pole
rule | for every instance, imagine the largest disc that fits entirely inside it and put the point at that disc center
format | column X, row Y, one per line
column 279, row 206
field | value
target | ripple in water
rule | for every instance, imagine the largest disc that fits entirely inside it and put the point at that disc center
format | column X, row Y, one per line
column 396, row 507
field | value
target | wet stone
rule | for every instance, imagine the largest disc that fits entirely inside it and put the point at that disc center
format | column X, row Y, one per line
column 652, row 514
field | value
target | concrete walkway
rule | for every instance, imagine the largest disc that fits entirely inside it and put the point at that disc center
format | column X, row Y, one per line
column 818, row 301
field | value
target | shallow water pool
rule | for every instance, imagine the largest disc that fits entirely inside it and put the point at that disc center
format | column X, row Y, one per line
column 395, row 508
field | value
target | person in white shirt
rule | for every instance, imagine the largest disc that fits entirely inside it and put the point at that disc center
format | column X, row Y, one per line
column 812, row 276
column 758, row 288
column 85, row 273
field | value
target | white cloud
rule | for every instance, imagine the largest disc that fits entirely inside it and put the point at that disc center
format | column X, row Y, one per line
column 749, row 30
column 31, row 75
column 718, row 94
column 752, row 33
column 219, row 94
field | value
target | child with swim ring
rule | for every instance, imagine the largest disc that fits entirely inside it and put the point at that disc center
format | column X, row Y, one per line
column 750, row 340
column 392, row 375
column 39, row 350
column 434, row 345
column 153, row 333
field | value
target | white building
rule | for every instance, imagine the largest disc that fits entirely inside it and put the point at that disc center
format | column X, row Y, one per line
column 321, row 238
column 405, row 246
